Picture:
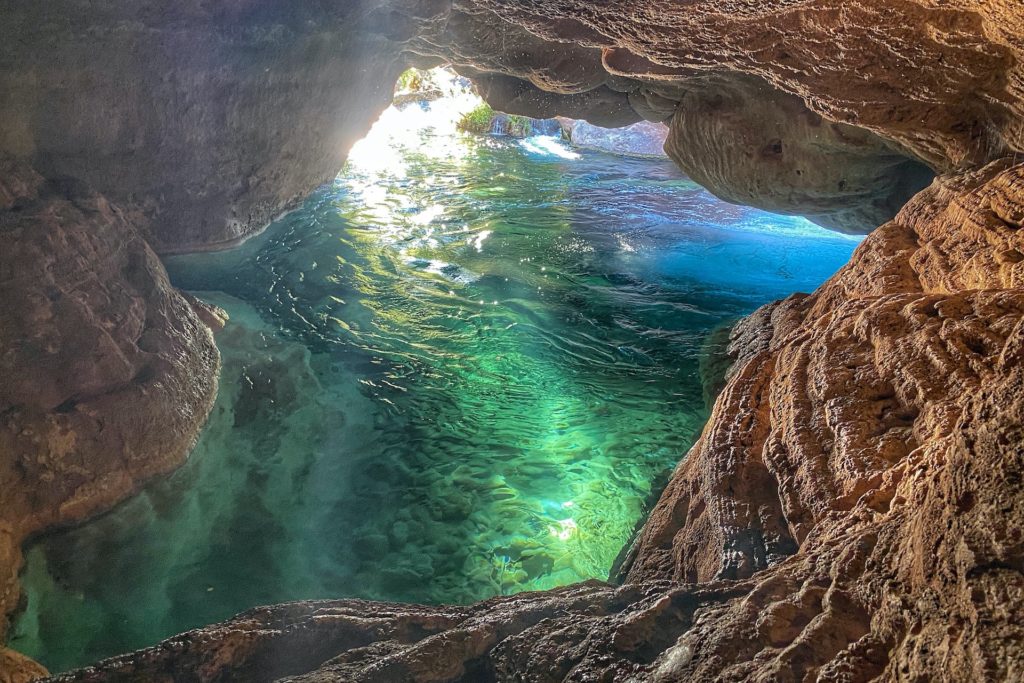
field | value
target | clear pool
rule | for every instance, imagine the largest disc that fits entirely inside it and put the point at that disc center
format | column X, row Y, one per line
column 455, row 372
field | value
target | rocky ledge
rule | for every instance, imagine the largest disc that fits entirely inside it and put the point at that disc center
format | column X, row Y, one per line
column 108, row 372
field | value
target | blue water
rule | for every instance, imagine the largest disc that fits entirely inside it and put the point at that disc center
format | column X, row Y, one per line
column 453, row 373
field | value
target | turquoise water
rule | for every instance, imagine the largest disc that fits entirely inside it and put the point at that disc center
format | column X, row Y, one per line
column 455, row 372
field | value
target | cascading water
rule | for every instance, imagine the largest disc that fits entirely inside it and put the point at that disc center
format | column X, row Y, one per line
column 455, row 372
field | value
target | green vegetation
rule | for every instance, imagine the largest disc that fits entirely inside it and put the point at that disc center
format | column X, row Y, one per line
column 478, row 120
column 518, row 126
column 481, row 120
column 413, row 80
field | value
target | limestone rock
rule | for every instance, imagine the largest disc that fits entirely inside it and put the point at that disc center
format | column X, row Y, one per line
column 208, row 121
column 879, row 449
column 106, row 373
column 942, row 79
column 643, row 139
column 750, row 144
column 16, row 668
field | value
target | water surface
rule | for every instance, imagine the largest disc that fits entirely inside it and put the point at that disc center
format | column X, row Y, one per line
column 455, row 372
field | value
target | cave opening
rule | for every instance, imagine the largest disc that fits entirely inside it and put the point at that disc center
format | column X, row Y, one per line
column 457, row 371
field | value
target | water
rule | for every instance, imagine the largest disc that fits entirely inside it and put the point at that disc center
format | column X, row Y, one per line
column 454, row 373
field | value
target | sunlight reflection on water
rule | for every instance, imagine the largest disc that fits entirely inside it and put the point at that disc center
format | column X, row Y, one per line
column 457, row 371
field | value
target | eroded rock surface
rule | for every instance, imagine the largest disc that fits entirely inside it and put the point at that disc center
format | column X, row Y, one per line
column 943, row 79
column 107, row 372
column 750, row 144
column 209, row 120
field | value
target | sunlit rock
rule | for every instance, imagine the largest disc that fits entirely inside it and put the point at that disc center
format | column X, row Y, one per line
column 643, row 139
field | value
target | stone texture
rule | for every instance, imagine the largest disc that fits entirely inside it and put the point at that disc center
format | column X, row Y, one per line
column 16, row 668
column 642, row 139
column 882, row 418
column 750, row 144
column 208, row 120
column 942, row 78
column 107, row 373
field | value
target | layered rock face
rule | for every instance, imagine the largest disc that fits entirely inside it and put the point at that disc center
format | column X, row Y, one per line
column 853, row 509
column 750, row 144
column 209, row 120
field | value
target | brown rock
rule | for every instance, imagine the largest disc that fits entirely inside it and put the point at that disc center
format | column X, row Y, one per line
column 106, row 373
column 886, row 415
column 16, row 668
column 750, row 144
column 209, row 121
column 854, row 508
column 942, row 79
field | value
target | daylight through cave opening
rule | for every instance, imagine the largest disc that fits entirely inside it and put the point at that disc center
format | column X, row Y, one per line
column 457, row 371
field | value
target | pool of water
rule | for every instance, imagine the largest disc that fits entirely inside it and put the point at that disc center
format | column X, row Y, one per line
column 455, row 372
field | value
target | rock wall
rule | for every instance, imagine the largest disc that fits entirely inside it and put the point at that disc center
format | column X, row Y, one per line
column 209, row 119
column 750, row 144
column 206, row 119
column 107, row 372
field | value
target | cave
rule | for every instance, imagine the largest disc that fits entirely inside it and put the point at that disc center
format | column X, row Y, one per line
column 748, row 407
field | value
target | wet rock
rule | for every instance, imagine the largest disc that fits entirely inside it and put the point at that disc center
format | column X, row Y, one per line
column 642, row 139
column 106, row 373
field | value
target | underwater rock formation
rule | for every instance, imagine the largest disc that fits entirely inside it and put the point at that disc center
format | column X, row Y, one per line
column 853, row 509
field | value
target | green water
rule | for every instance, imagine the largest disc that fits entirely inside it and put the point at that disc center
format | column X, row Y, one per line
column 454, row 373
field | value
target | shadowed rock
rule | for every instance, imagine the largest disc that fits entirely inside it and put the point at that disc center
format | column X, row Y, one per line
column 108, row 374
column 852, row 511
column 750, row 144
